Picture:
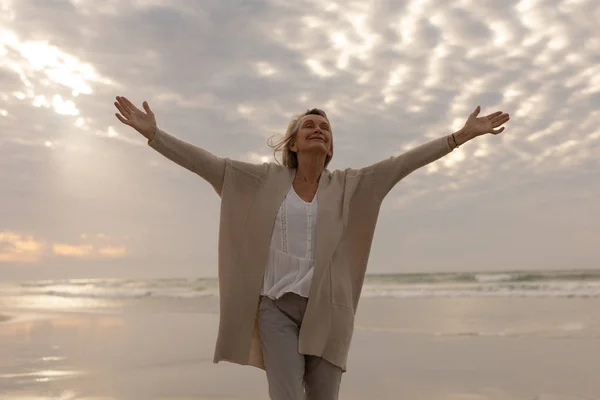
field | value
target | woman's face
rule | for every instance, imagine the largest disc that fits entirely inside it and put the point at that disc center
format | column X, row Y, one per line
column 314, row 135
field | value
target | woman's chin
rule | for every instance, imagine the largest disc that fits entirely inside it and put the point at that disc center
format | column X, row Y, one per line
column 318, row 145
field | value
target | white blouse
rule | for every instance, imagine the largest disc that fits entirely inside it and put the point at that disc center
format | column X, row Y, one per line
column 292, row 250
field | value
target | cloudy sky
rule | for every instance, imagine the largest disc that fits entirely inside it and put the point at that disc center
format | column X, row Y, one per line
column 84, row 196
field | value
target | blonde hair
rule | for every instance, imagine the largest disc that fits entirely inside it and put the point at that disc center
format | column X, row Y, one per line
column 289, row 157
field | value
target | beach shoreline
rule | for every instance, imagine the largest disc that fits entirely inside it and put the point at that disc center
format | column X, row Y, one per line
column 408, row 348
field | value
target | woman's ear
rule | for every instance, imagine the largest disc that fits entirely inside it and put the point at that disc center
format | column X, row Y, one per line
column 293, row 147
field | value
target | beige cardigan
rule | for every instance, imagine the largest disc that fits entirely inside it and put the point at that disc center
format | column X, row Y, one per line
column 349, row 203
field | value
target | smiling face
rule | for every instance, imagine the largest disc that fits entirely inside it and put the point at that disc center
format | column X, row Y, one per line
column 307, row 133
column 314, row 136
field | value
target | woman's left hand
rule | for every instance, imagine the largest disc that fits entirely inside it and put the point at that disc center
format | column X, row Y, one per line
column 477, row 126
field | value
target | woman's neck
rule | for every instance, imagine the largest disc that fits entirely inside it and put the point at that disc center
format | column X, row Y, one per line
column 309, row 169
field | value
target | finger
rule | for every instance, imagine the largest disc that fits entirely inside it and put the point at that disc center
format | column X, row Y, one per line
column 500, row 120
column 476, row 112
column 499, row 117
column 124, row 106
column 130, row 105
column 123, row 120
column 497, row 131
column 147, row 108
column 494, row 115
column 122, row 110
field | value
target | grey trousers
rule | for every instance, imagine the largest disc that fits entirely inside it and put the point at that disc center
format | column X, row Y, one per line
column 290, row 375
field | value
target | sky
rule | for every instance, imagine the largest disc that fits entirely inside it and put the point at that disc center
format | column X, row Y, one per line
column 82, row 195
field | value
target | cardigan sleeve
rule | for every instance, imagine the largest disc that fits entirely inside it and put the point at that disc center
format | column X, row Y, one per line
column 387, row 173
column 194, row 158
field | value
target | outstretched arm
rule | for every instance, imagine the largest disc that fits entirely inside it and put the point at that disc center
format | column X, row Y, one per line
column 187, row 155
column 389, row 172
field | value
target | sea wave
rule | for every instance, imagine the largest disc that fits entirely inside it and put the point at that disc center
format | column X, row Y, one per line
column 494, row 277
column 557, row 289
column 564, row 284
column 565, row 291
column 127, row 294
column 98, row 295
column 567, row 330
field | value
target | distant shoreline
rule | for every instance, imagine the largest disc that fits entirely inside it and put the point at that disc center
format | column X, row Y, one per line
column 372, row 275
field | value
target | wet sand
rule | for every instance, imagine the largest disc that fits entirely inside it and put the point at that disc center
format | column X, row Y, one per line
column 400, row 351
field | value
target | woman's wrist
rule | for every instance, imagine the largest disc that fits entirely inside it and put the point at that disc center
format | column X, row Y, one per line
column 150, row 133
column 460, row 137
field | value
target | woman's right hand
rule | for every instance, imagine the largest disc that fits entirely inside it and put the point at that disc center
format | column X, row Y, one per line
column 143, row 122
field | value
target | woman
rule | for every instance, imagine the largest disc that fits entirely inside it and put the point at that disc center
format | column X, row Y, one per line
column 294, row 240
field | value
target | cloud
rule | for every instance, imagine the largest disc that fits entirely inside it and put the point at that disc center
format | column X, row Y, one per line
column 87, row 251
column 67, row 250
column 16, row 248
column 229, row 75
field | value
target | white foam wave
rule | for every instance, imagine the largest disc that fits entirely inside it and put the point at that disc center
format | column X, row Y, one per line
column 494, row 277
column 551, row 331
column 99, row 295
column 551, row 289
column 129, row 294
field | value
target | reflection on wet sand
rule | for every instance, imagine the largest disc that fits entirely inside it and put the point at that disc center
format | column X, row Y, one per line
column 47, row 349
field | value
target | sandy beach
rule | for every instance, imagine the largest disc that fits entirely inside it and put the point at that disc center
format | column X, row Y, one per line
column 442, row 349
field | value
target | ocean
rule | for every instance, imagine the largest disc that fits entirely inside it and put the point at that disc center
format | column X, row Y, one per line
column 569, row 284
